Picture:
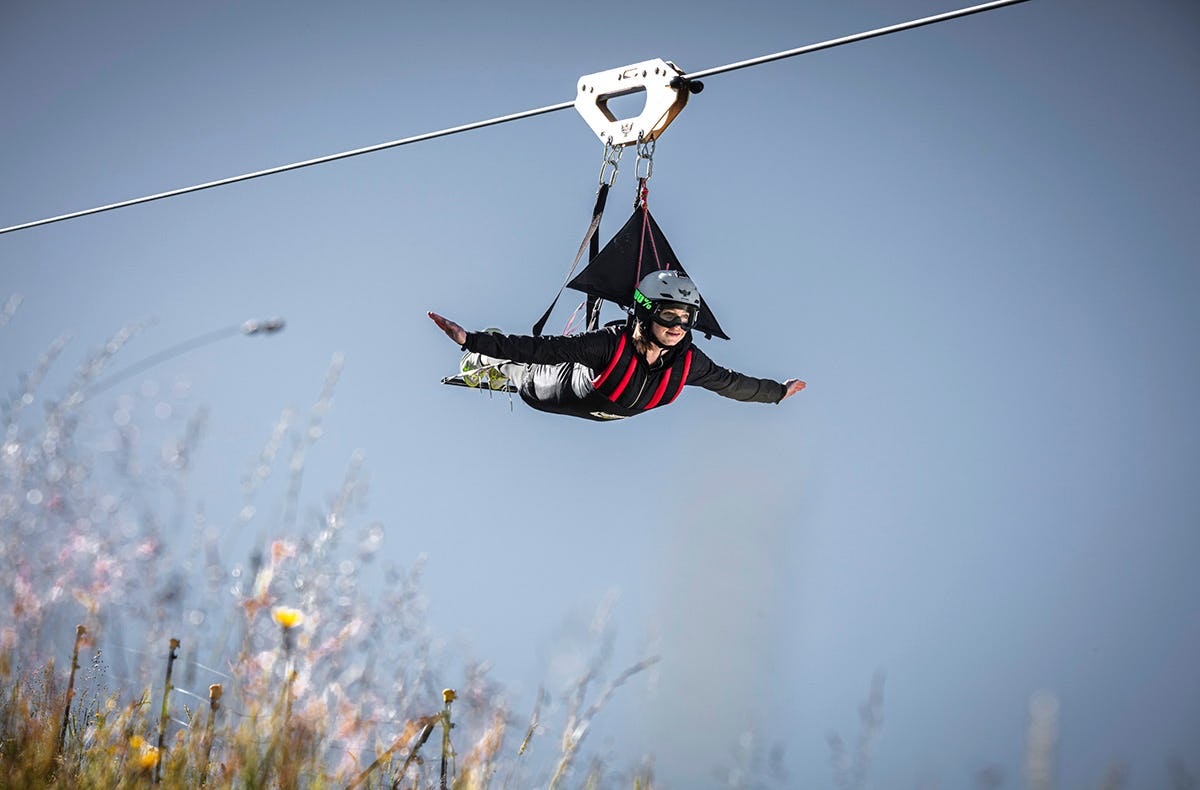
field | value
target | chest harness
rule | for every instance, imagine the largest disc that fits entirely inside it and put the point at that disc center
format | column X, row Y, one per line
column 622, row 371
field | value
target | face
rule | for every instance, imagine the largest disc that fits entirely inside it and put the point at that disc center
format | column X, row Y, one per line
column 670, row 335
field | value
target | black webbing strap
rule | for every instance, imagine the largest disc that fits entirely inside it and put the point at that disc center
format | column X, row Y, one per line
column 590, row 240
column 593, row 302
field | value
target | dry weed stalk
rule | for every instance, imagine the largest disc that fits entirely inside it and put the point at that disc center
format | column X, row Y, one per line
column 578, row 725
column 448, row 697
column 851, row 773
column 172, row 654
column 80, row 632
column 1041, row 741
column 214, row 704
column 425, row 724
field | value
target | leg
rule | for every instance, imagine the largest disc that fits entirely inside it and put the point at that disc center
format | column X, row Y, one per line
column 480, row 370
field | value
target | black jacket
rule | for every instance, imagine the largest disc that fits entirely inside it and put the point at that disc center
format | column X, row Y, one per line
column 564, row 389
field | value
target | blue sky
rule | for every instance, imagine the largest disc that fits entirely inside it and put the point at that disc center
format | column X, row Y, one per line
column 976, row 241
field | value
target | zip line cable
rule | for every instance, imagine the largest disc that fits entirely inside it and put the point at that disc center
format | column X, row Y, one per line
column 836, row 42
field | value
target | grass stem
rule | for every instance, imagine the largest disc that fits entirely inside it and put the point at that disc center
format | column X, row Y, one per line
column 80, row 632
column 448, row 697
column 162, row 721
column 214, row 704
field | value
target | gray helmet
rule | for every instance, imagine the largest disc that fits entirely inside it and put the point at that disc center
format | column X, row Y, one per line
column 663, row 289
column 668, row 286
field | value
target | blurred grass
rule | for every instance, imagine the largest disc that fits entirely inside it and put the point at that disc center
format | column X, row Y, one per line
column 323, row 670
column 323, row 676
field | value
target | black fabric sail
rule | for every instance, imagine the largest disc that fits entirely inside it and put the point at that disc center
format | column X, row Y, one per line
column 634, row 251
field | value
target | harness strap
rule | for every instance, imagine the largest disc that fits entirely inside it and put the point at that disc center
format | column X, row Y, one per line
column 632, row 366
column 597, row 212
column 687, row 368
column 624, row 362
column 659, row 390
column 612, row 363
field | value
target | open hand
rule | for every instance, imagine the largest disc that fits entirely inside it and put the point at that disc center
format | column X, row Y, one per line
column 793, row 386
column 452, row 330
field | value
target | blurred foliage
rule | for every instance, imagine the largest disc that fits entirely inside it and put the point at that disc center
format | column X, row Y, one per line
column 321, row 668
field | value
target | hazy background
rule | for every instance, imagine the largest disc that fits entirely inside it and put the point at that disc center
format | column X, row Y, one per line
column 977, row 242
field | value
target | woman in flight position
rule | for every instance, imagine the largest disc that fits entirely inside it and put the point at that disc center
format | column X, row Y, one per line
column 617, row 371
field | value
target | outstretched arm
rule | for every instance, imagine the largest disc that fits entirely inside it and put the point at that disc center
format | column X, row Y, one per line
column 452, row 330
column 591, row 349
column 793, row 386
column 738, row 386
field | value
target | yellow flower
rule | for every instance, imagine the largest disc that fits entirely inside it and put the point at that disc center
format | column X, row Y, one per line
column 147, row 758
column 287, row 617
column 449, row 696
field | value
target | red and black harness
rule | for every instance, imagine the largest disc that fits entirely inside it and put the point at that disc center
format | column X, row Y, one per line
column 622, row 372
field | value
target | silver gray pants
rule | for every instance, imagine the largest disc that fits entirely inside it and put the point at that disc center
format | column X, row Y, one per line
column 551, row 383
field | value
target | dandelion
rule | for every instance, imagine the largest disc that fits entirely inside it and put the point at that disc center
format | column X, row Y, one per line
column 288, row 620
column 287, row 617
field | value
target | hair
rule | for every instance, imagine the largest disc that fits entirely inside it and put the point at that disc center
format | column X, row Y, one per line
column 640, row 343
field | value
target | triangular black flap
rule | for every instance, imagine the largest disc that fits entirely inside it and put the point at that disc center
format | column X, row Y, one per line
column 614, row 272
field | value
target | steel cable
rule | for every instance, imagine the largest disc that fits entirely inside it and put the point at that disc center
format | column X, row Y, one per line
column 516, row 116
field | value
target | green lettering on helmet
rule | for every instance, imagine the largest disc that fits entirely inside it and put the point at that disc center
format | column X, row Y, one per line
column 640, row 298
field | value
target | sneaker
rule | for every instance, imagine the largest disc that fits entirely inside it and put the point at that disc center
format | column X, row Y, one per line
column 476, row 375
column 470, row 370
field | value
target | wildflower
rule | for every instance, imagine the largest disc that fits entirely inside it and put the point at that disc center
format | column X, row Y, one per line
column 449, row 696
column 287, row 617
column 145, row 754
column 280, row 550
column 147, row 758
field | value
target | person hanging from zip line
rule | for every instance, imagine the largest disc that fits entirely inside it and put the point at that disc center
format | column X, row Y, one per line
column 613, row 372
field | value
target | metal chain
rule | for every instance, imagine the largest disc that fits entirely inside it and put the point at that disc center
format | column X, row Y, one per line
column 612, row 157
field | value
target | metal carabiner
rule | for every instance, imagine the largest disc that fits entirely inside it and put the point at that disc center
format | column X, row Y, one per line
column 612, row 156
column 645, row 153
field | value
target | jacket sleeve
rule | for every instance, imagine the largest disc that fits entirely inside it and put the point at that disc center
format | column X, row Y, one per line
column 592, row 349
column 731, row 384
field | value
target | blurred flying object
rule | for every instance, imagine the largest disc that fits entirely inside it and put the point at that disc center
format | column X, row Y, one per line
column 267, row 326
